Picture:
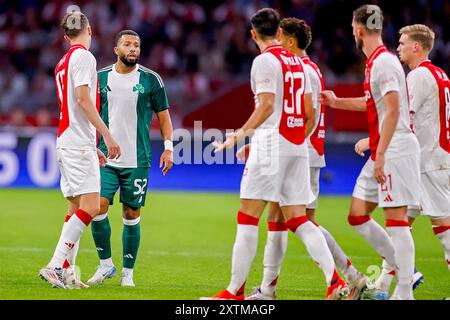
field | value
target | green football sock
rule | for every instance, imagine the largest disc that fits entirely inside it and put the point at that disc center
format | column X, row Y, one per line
column 101, row 232
column 131, row 238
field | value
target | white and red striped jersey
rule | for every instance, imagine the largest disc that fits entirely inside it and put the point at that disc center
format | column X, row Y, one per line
column 76, row 68
column 279, row 72
column 429, row 93
column 385, row 74
column 316, row 139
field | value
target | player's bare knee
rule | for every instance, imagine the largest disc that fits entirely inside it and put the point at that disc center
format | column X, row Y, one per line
column 131, row 213
column 275, row 214
column 104, row 205
column 310, row 213
column 291, row 212
column 360, row 208
column 440, row 222
column 252, row 208
column 396, row 213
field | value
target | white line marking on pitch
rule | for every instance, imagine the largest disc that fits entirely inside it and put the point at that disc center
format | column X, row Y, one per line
column 194, row 253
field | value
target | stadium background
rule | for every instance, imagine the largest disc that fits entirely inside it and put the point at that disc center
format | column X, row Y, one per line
column 203, row 52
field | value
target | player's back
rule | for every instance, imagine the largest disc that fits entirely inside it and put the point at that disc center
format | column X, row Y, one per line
column 385, row 74
column 281, row 73
column 76, row 68
column 429, row 90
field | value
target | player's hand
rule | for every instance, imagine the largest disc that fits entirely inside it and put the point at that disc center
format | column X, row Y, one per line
column 378, row 168
column 328, row 98
column 167, row 160
column 243, row 152
column 231, row 139
column 362, row 146
column 101, row 158
column 113, row 147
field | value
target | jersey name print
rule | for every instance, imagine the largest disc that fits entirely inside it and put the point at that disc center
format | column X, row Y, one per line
column 292, row 124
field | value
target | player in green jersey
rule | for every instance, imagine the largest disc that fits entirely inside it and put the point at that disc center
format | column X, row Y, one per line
column 129, row 94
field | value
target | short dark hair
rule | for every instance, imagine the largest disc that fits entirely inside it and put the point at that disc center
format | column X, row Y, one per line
column 74, row 23
column 124, row 33
column 266, row 22
column 298, row 29
column 370, row 16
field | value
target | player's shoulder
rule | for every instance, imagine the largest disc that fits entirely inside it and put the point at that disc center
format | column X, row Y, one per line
column 106, row 69
column 387, row 59
column 386, row 63
column 419, row 72
column 265, row 57
column 265, row 60
column 151, row 75
column 82, row 54
column 310, row 70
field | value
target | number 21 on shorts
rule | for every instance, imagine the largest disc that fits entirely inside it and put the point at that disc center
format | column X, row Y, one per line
column 387, row 185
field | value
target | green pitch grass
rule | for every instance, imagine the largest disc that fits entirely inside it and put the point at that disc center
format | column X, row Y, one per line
column 185, row 252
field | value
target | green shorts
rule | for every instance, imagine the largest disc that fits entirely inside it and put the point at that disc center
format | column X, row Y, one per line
column 132, row 183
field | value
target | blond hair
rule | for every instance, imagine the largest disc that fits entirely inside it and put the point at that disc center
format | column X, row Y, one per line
column 420, row 33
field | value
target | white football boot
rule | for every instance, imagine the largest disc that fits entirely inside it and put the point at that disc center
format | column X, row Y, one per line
column 72, row 280
column 53, row 276
column 258, row 295
column 126, row 279
column 102, row 273
column 357, row 286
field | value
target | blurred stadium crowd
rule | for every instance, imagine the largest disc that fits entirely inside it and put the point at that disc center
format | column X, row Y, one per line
column 198, row 47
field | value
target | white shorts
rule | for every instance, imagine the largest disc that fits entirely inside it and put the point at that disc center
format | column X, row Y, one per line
column 314, row 173
column 80, row 171
column 435, row 195
column 278, row 179
column 402, row 186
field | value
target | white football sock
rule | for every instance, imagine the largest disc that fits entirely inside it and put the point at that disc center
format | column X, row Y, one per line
column 106, row 262
column 273, row 257
column 244, row 251
column 127, row 272
column 72, row 255
column 443, row 234
column 70, row 234
column 375, row 235
column 385, row 279
column 341, row 260
column 315, row 244
column 404, row 254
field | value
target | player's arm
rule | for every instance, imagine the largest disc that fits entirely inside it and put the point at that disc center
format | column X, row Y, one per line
column 310, row 114
column 165, row 124
column 263, row 72
column 311, row 103
column 387, row 81
column 352, row 104
column 259, row 115
column 392, row 105
column 84, row 100
column 362, row 146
